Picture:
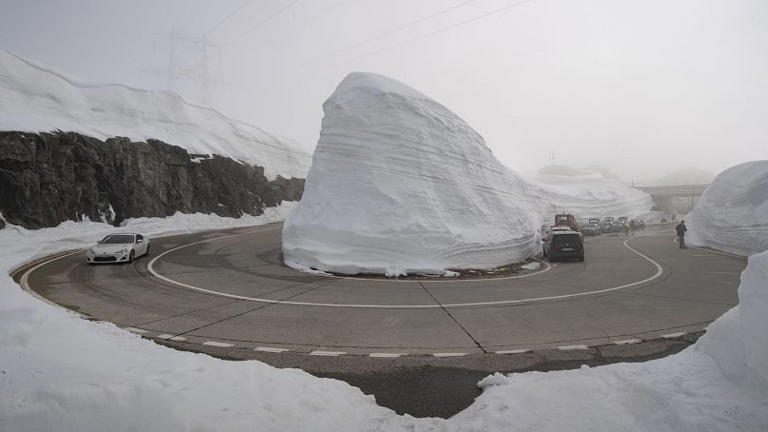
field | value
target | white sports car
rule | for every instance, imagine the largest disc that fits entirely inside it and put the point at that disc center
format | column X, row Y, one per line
column 118, row 248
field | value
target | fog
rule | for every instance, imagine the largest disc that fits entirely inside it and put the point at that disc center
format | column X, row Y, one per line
column 640, row 88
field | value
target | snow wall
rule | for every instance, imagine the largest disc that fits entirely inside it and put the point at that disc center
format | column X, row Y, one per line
column 732, row 213
column 400, row 184
column 36, row 99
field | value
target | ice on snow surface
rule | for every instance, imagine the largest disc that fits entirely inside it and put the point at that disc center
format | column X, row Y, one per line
column 401, row 184
column 37, row 99
column 732, row 213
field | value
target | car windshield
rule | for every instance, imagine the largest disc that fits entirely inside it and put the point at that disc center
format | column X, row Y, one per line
column 118, row 239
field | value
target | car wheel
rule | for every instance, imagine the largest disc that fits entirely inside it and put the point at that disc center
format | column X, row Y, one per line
column 131, row 257
column 147, row 252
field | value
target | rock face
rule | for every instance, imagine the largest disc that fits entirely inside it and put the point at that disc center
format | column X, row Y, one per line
column 400, row 184
column 48, row 178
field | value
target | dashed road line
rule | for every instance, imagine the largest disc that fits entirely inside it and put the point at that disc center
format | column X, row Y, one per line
column 179, row 339
column 384, row 355
column 218, row 344
column 673, row 335
column 270, row 349
column 449, row 354
column 327, row 353
column 164, row 336
column 135, row 330
column 572, row 347
column 514, row 351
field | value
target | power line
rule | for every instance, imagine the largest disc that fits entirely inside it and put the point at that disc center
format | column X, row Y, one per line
column 389, row 32
column 446, row 28
column 226, row 18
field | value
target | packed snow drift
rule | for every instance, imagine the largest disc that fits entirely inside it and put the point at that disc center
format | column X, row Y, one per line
column 732, row 213
column 400, row 184
column 588, row 194
column 37, row 99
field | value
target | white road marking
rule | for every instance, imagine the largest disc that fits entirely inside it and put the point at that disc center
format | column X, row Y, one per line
column 384, row 355
column 135, row 330
column 628, row 342
column 270, row 349
column 151, row 269
column 449, row 354
column 179, row 338
column 514, row 351
column 164, row 336
column 327, row 353
column 673, row 335
column 24, row 281
column 218, row 344
column 572, row 347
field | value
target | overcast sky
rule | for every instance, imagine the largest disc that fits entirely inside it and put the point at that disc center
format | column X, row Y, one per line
column 640, row 87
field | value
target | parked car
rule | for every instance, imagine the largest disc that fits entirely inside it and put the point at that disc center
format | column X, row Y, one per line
column 606, row 227
column 124, row 247
column 637, row 224
column 623, row 219
column 564, row 244
column 591, row 230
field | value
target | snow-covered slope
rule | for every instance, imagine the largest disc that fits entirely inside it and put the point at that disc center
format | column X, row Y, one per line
column 588, row 195
column 732, row 213
column 37, row 99
column 401, row 184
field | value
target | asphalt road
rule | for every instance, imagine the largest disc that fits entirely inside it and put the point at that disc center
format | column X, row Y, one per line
column 418, row 346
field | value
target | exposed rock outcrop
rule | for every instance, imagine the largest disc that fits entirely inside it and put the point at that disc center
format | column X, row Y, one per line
column 48, row 178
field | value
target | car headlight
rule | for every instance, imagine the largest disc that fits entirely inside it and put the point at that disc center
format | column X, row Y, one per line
column 92, row 251
column 124, row 251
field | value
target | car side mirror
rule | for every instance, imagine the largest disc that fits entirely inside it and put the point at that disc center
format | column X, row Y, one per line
column 139, row 241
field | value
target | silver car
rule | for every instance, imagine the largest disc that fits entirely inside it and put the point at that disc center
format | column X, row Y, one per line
column 123, row 247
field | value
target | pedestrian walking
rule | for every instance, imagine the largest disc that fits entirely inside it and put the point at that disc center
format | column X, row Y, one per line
column 681, row 229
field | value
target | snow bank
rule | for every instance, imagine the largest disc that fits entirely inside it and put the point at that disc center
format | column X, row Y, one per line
column 59, row 372
column 732, row 213
column 37, row 99
column 401, row 184
column 720, row 384
column 588, row 196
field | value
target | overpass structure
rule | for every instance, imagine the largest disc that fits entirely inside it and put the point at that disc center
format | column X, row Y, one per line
column 674, row 198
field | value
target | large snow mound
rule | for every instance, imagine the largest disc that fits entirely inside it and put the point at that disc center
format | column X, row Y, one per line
column 588, row 196
column 401, row 184
column 732, row 213
column 37, row 99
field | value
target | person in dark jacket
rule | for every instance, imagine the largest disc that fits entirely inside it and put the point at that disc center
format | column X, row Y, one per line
column 681, row 229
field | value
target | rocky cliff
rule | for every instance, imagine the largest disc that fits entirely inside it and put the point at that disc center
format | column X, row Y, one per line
column 48, row 178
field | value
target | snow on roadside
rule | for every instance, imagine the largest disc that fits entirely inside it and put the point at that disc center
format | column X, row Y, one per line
column 59, row 372
column 34, row 98
column 732, row 213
